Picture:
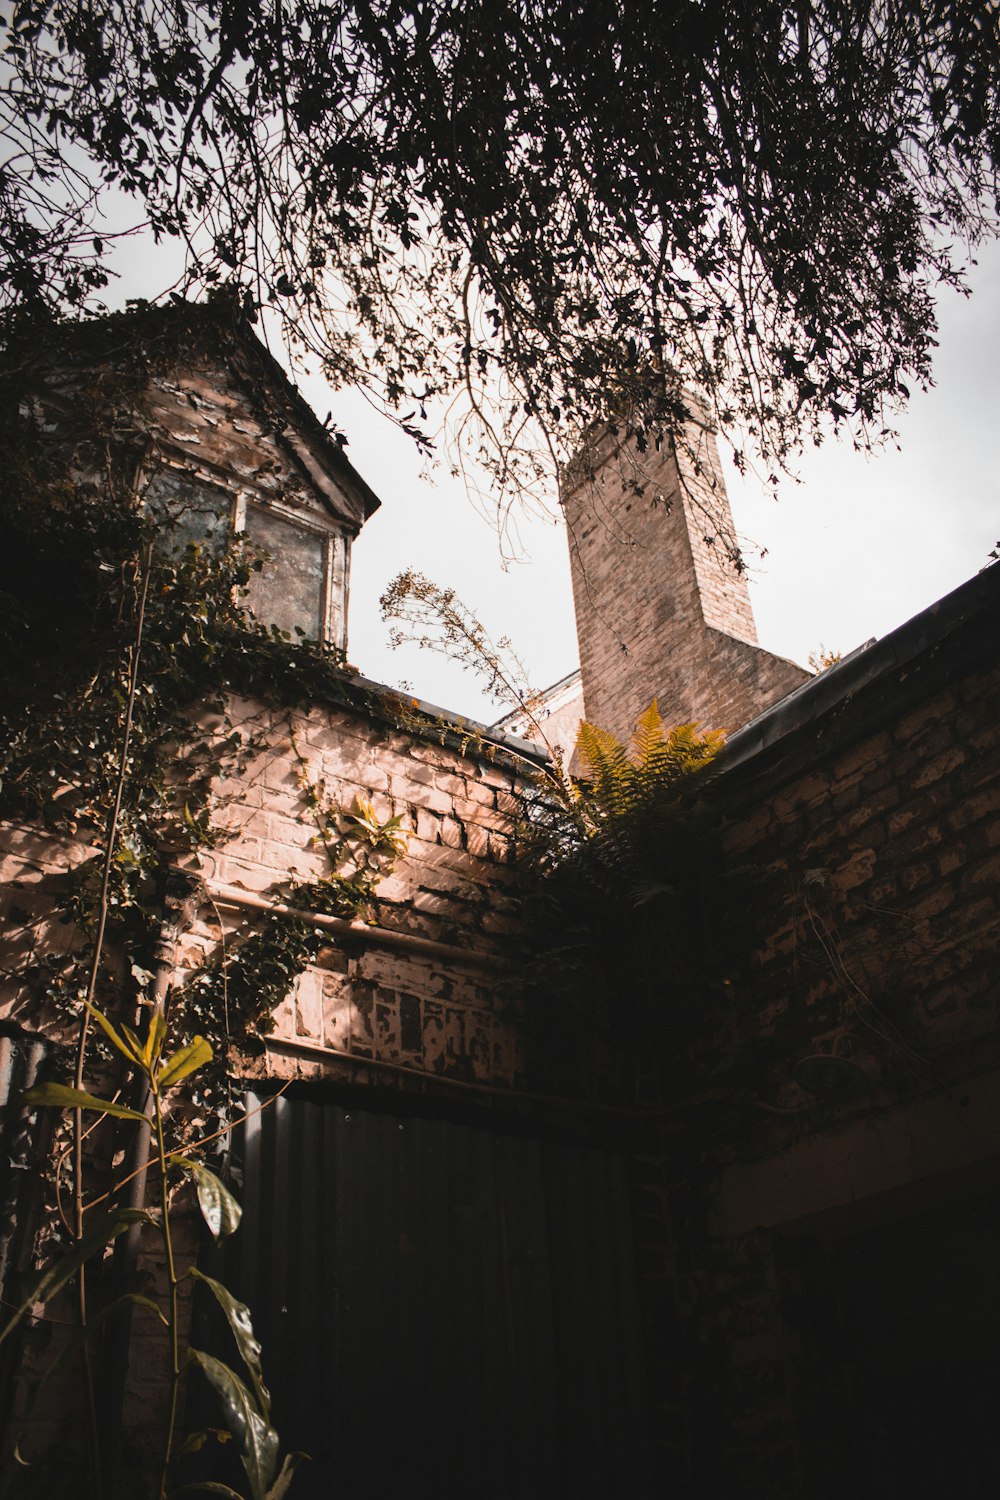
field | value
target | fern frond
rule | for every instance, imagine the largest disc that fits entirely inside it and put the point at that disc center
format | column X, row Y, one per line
column 633, row 890
column 606, row 762
column 649, row 738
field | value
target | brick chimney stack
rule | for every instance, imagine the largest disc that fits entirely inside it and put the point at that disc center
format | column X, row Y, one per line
column 661, row 608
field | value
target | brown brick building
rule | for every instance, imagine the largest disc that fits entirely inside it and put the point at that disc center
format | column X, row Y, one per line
column 779, row 1281
column 818, row 1250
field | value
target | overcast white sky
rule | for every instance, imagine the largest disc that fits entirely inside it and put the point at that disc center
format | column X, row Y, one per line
column 856, row 548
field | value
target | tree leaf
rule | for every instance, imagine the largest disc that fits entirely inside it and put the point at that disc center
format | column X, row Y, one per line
column 257, row 1438
column 61, row 1096
column 154, row 1039
column 134, row 1043
column 134, row 1054
column 195, row 1054
column 238, row 1317
column 219, row 1208
column 52, row 1278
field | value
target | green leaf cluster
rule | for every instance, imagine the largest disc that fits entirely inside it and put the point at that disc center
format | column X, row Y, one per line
column 246, row 1409
column 250, row 979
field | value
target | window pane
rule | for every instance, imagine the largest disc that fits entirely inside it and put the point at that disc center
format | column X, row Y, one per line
column 289, row 591
column 186, row 512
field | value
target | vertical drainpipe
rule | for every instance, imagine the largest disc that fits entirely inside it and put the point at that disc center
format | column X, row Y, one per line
column 21, row 1056
column 179, row 903
column 23, row 1140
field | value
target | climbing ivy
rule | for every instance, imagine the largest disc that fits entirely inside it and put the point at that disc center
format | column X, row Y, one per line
column 116, row 742
column 89, row 597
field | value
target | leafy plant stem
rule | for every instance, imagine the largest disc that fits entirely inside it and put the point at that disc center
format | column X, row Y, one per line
column 183, row 1152
column 130, row 1192
column 175, row 1367
column 84, row 1031
column 110, row 841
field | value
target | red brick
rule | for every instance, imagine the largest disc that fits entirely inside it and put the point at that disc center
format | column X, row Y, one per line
column 985, row 870
column 952, row 858
column 973, row 808
column 902, row 819
column 917, row 875
column 931, row 906
column 927, row 714
column 858, row 869
column 941, row 765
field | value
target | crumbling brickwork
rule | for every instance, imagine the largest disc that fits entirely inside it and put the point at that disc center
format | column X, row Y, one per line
column 378, row 996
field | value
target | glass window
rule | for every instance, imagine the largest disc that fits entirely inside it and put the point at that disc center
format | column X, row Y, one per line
column 188, row 511
column 290, row 590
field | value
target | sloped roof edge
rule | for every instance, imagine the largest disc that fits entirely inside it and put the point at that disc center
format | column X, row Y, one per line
column 148, row 322
column 862, row 693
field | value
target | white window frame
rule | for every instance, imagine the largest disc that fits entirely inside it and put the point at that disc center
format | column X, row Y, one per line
column 336, row 559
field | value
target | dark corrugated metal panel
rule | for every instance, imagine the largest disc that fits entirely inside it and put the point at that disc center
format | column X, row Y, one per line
column 445, row 1309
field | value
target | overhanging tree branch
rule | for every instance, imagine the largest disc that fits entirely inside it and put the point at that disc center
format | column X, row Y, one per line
column 759, row 200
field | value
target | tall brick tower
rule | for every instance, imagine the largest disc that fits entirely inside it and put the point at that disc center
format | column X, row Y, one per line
column 661, row 609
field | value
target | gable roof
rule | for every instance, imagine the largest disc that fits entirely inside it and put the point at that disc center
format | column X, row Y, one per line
column 148, row 337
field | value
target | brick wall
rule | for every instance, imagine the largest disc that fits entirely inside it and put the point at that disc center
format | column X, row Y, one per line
column 871, row 840
column 371, row 999
column 417, row 1001
column 661, row 609
column 416, row 988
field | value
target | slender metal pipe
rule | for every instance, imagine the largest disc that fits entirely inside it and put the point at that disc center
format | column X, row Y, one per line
column 377, row 937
